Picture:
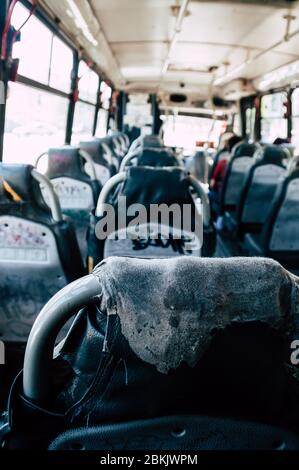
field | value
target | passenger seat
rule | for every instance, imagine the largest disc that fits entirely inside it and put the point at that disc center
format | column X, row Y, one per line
column 259, row 188
column 279, row 238
column 77, row 191
column 39, row 253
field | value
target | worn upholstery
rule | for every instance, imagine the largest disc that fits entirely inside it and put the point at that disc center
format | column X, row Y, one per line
column 183, row 336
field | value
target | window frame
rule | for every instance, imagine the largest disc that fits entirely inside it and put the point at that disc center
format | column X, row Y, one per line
column 285, row 117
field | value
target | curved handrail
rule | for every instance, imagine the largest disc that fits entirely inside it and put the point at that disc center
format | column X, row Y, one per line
column 39, row 157
column 54, row 203
column 89, row 160
column 41, row 341
column 106, row 190
column 126, row 159
column 200, row 190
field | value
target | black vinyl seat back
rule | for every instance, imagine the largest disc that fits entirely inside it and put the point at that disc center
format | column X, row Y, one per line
column 168, row 218
column 156, row 157
column 154, row 186
column 160, row 339
column 259, row 188
column 147, row 185
column 38, row 255
column 236, row 172
column 279, row 237
column 104, row 169
column 77, row 192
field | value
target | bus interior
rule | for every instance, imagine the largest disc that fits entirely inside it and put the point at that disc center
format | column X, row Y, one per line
column 149, row 225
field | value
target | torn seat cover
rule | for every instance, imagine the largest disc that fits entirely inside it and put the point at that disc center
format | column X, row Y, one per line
column 169, row 309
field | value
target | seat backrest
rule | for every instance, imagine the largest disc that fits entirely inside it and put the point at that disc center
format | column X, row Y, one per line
column 260, row 186
column 150, row 141
column 38, row 255
column 281, row 229
column 237, row 169
column 77, row 192
column 156, row 157
column 103, row 169
column 197, row 165
column 164, row 336
column 147, row 185
column 150, row 186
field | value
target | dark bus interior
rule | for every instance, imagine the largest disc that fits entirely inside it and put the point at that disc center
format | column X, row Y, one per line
column 121, row 335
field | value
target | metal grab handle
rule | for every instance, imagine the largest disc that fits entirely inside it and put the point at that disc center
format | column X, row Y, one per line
column 126, row 159
column 54, row 203
column 199, row 188
column 106, row 190
column 41, row 341
column 88, row 159
column 39, row 157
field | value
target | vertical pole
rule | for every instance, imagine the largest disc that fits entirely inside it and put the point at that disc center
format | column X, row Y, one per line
column 289, row 114
column 121, row 109
column 3, row 77
column 72, row 99
column 109, row 111
column 97, row 109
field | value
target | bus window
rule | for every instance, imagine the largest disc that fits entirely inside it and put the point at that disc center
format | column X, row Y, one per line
column 250, row 123
column 103, row 113
column 273, row 123
column 85, row 108
column 36, row 115
column 295, row 118
column 237, row 124
column 185, row 131
column 34, row 49
column 35, row 120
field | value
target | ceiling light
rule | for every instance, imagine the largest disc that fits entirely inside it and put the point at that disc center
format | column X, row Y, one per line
column 80, row 22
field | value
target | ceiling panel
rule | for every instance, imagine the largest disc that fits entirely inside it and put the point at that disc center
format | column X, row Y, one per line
column 138, row 34
column 134, row 20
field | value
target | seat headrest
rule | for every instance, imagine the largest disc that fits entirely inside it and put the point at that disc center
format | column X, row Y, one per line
column 156, row 157
column 66, row 161
column 152, row 141
column 174, row 319
column 271, row 154
column 18, row 185
column 244, row 149
column 93, row 147
column 146, row 185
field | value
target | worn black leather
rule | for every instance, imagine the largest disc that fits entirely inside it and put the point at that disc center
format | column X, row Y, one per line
column 243, row 372
column 178, row 433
